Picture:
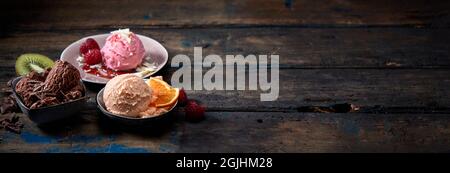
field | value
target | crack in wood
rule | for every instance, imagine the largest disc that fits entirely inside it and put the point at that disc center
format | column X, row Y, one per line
column 335, row 108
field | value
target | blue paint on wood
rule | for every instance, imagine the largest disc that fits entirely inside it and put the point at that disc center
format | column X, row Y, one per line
column 147, row 16
column 35, row 138
column 186, row 43
column 118, row 148
column 55, row 150
column 174, row 138
column 113, row 148
column 85, row 149
column 86, row 139
column 166, row 148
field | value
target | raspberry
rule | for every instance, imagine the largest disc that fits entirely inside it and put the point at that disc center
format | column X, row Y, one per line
column 194, row 111
column 88, row 45
column 93, row 56
column 182, row 98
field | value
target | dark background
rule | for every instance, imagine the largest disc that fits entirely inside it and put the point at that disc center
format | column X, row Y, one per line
column 355, row 76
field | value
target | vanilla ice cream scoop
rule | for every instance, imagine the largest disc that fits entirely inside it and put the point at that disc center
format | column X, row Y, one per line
column 127, row 95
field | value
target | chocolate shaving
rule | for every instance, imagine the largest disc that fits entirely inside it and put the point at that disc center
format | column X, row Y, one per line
column 8, row 104
column 12, row 124
column 38, row 88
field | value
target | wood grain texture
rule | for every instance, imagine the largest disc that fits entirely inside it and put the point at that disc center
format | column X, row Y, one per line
column 45, row 14
column 409, row 90
column 246, row 132
column 297, row 47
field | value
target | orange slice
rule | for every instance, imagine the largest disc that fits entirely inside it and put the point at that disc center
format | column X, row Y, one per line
column 166, row 95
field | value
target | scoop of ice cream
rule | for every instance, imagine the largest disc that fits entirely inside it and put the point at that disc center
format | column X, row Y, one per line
column 127, row 95
column 63, row 77
column 123, row 50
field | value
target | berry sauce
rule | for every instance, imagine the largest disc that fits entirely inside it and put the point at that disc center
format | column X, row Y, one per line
column 103, row 71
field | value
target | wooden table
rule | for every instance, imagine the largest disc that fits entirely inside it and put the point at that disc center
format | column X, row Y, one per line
column 391, row 59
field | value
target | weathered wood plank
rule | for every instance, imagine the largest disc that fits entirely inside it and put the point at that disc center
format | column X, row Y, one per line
column 396, row 89
column 321, row 87
column 297, row 47
column 294, row 132
column 245, row 132
column 68, row 14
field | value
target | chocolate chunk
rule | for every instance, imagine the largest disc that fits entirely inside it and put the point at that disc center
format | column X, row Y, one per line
column 8, row 104
column 12, row 124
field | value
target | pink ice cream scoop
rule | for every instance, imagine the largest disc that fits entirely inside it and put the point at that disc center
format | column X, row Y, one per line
column 123, row 50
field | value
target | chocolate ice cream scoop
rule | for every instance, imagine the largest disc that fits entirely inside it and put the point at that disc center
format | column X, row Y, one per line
column 63, row 77
column 59, row 85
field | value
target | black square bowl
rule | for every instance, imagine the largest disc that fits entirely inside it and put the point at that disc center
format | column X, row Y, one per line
column 52, row 113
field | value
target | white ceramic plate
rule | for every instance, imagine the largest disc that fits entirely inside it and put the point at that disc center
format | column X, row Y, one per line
column 158, row 55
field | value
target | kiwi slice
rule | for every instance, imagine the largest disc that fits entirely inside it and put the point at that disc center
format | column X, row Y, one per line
column 29, row 62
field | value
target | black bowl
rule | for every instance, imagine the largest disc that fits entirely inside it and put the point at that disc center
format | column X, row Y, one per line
column 132, row 121
column 52, row 113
